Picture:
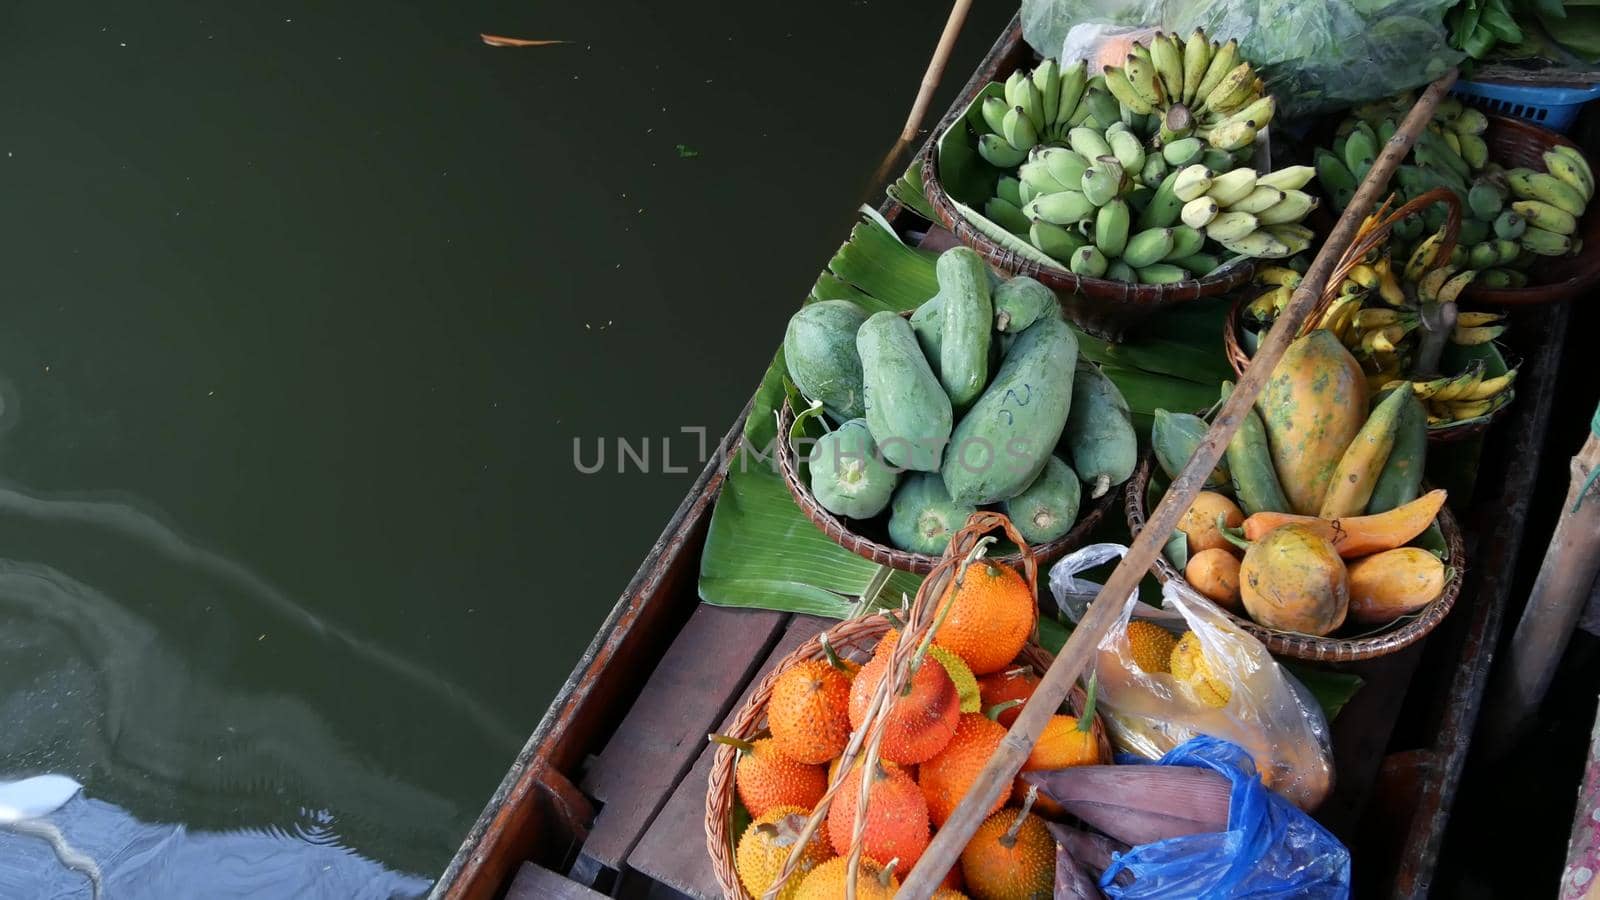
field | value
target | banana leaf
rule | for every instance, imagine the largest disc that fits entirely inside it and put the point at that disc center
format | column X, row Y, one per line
column 907, row 191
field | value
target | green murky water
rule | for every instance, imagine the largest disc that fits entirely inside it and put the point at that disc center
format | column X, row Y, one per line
column 305, row 306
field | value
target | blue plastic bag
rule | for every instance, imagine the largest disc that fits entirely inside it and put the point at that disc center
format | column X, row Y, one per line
column 1271, row 848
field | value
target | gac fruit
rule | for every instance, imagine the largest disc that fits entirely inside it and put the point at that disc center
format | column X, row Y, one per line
column 827, row 881
column 1012, row 854
column 897, row 816
column 1015, row 683
column 920, row 722
column 766, row 779
column 765, row 846
column 991, row 613
column 1150, row 645
column 809, row 712
column 1193, row 670
column 946, row 778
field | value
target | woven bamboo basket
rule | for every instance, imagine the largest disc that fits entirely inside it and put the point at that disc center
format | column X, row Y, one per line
column 1305, row 646
column 1512, row 143
column 843, row 533
column 856, row 639
column 1104, row 308
column 1233, row 328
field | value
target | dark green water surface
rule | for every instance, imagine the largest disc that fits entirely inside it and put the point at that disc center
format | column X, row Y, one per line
column 304, row 306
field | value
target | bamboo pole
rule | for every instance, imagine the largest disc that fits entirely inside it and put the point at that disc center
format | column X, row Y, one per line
column 1571, row 563
column 935, row 71
column 1063, row 673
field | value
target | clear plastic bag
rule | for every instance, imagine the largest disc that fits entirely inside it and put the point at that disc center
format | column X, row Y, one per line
column 1313, row 56
column 1267, row 711
column 1270, row 849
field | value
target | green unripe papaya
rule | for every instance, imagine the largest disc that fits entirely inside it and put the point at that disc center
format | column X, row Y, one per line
column 1099, row 437
column 1019, row 303
column 819, row 347
column 1049, row 507
column 966, row 324
column 927, row 322
column 848, row 476
column 922, row 516
column 1004, row 441
column 1250, row 468
column 1175, row 437
column 908, row 411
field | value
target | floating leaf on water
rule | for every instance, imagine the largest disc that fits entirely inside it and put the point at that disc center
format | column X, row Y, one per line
column 495, row 40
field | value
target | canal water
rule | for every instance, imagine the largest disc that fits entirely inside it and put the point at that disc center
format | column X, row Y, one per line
column 306, row 307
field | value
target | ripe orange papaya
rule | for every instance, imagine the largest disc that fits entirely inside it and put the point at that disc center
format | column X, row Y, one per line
column 1293, row 580
column 1312, row 406
column 1394, row 583
column 1355, row 536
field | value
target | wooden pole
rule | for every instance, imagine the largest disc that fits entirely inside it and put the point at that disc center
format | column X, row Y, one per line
column 1571, row 563
column 935, row 71
column 1063, row 673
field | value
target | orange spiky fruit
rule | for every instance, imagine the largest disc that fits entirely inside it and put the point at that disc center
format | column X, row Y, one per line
column 827, row 881
column 809, row 711
column 921, row 720
column 766, row 779
column 952, row 883
column 765, row 846
column 991, row 613
column 1151, row 646
column 1011, row 856
column 1067, row 740
column 897, row 816
column 1014, row 683
column 948, row 893
column 946, row 778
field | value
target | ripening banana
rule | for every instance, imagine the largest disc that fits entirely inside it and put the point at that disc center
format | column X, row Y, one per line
column 1489, row 387
column 1266, row 306
column 1141, row 74
column 1471, row 337
column 1294, row 206
column 1259, row 199
column 1258, row 113
column 1230, row 226
column 1475, row 319
column 1199, row 212
column 1290, row 178
column 1423, row 256
column 1231, row 187
column 1567, row 164
column 1263, row 244
column 1429, row 285
column 1192, row 181
column 1167, row 55
column 1532, row 185
column 1544, row 215
column 1295, row 238
column 1545, row 243
column 1278, row 275
column 1232, row 136
column 1223, row 60
column 1452, row 289
column 1235, row 90
column 1196, row 58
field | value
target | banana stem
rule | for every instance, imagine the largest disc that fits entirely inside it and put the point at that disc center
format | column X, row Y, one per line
column 1438, row 320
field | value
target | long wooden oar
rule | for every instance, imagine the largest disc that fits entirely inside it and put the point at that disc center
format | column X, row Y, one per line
column 919, row 108
column 1052, row 689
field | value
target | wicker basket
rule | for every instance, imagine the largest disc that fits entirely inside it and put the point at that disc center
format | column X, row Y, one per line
column 1516, row 143
column 1104, row 308
column 854, row 638
column 1305, row 646
column 1233, row 328
column 840, row 531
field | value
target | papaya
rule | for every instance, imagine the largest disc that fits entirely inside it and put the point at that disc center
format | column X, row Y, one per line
column 907, row 409
column 1394, row 583
column 926, row 322
column 1355, row 536
column 922, row 517
column 1292, row 579
column 1202, row 522
column 966, row 324
column 1019, row 302
column 1099, row 436
column 1400, row 482
column 1312, row 406
column 848, row 477
column 1002, row 443
column 819, row 347
column 1215, row 573
column 1255, row 481
column 1049, row 507
column 1175, row 437
column 1362, row 462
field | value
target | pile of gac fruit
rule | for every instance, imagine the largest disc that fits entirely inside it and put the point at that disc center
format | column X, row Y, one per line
column 939, row 735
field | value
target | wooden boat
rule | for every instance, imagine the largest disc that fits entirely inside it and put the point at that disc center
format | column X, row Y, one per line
column 607, row 798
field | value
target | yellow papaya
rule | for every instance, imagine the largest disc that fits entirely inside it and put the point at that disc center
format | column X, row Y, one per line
column 1394, row 583
column 1293, row 580
column 1312, row 406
